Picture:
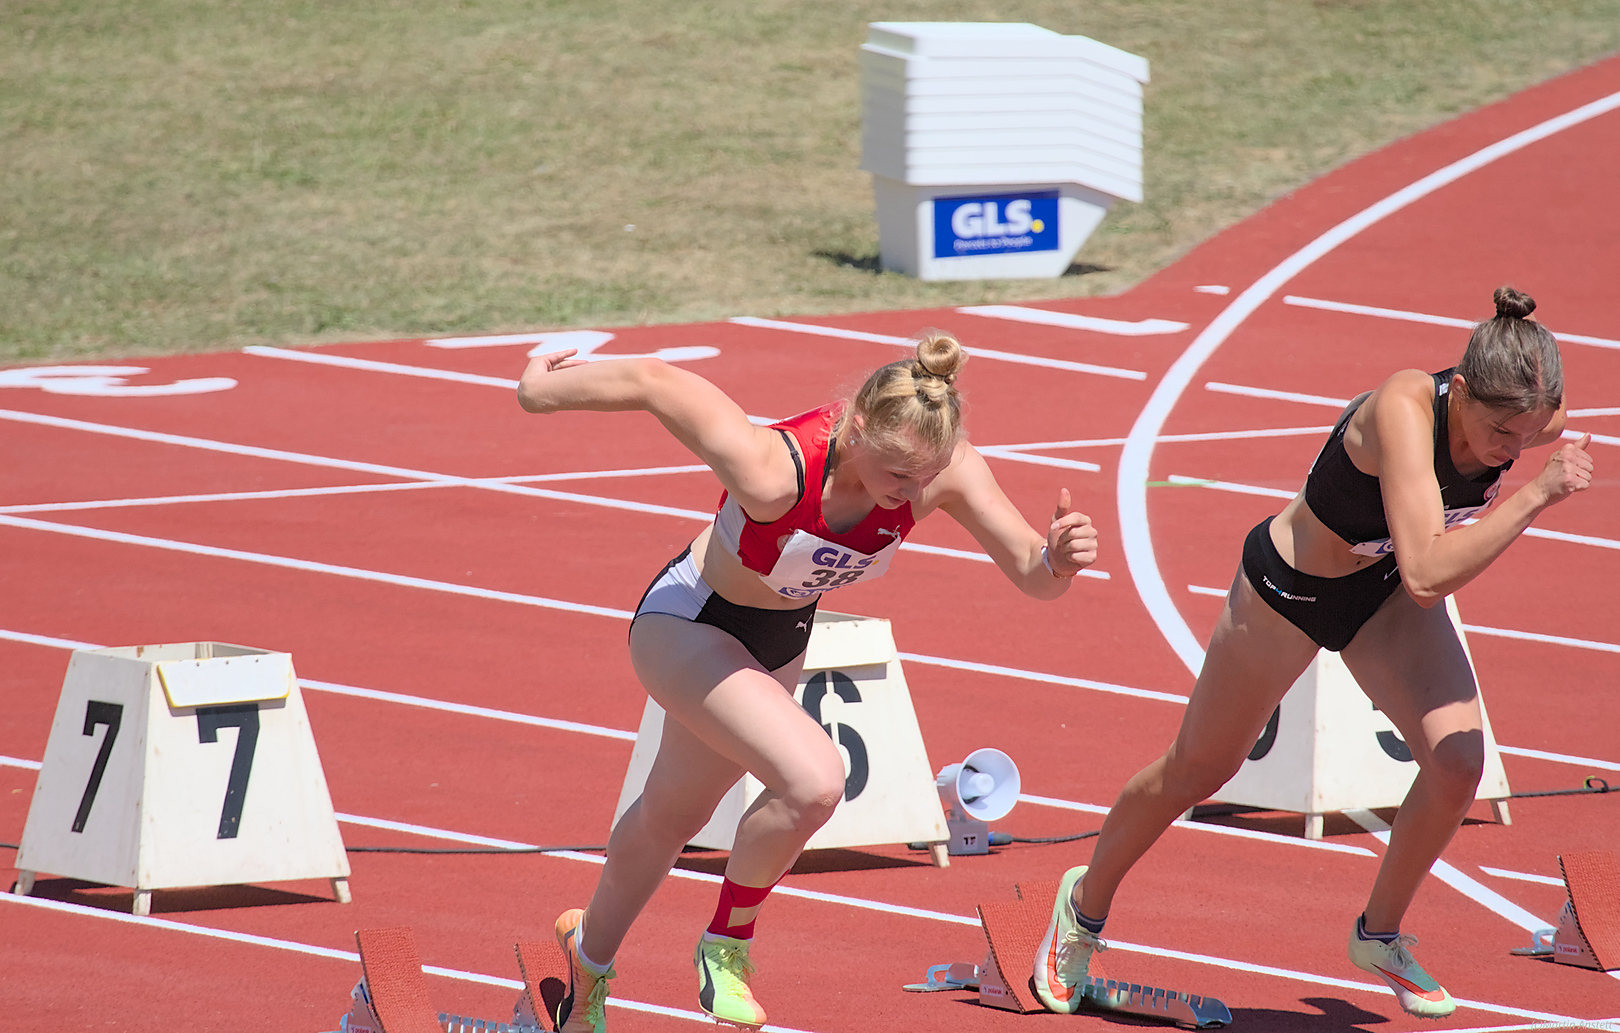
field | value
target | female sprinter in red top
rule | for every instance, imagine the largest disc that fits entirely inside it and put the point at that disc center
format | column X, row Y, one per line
column 1356, row 563
column 816, row 502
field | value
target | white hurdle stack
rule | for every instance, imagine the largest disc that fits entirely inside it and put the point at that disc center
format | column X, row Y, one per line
column 981, row 111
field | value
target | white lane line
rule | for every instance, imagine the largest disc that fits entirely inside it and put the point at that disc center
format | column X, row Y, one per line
column 1609, row 1025
column 344, row 489
column 307, row 459
column 1036, row 676
column 620, row 733
column 1346, row 984
column 373, row 366
column 435, row 373
column 1281, row 396
column 1570, row 434
column 1071, row 321
column 1231, row 486
column 1017, row 456
column 504, row 485
column 1504, row 873
column 1464, row 884
column 352, row 957
column 20, row 762
column 1553, row 640
column 1451, row 876
column 312, row 566
column 987, row 353
column 941, row 916
column 1219, row 593
column 1278, row 493
column 1423, row 317
column 1199, row 826
column 1559, row 758
column 468, row 709
column 1220, row 435
column 221, row 496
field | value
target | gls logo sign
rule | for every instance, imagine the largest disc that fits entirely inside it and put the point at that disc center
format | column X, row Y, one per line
column 995, row 225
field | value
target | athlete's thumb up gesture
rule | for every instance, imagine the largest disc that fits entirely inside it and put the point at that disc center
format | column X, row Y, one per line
column 1568, row 470
column 532, row 388
column 1071, row 541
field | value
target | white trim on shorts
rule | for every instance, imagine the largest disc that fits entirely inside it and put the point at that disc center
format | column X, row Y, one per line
column 680, row 591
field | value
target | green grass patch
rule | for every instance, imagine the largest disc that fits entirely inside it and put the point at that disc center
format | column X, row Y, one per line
column 182, row 175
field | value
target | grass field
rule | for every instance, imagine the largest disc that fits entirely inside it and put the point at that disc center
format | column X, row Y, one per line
column 192, row 175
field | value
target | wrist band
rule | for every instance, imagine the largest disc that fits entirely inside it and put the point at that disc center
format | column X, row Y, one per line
column 1047, row 562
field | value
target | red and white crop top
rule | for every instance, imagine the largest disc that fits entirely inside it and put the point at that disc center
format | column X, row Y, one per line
column 797, row 554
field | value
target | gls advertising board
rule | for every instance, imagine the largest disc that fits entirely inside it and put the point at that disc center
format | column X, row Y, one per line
column 995, row 225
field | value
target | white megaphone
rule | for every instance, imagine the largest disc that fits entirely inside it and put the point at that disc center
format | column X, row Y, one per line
column 981, row 789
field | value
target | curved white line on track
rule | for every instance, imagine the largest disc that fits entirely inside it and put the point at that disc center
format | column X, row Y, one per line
column 1135, row 535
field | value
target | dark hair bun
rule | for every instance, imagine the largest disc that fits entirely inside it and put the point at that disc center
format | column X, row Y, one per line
column 1513, row 304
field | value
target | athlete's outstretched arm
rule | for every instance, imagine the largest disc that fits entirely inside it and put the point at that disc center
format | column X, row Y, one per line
column 752, row 462
column 968, row 491
column 1435, row 563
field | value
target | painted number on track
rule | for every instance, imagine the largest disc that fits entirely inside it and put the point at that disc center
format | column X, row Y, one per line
column 106, row 382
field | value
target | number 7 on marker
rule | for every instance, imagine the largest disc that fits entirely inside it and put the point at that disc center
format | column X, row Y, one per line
column 245, row 719
column 97, row 712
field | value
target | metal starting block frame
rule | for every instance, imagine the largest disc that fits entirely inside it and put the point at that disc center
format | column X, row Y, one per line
column 1588, row 931
column 391, row 996
column 1188, row 1010
column 362, row 1018
column 1013, row 932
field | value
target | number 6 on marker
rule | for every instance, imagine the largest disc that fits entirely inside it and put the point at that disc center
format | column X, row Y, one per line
column 244, row 717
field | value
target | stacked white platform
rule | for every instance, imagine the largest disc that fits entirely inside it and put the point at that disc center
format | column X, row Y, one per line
column 959, row 112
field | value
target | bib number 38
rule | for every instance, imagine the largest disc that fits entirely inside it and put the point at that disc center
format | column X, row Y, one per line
column 836, row 568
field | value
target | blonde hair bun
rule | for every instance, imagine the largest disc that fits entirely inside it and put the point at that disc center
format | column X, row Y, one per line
column 912, row 405
column 940, row 354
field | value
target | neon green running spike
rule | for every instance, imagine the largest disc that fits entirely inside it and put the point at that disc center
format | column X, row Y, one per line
column 1414, row 988
column 723, row 969
column 582, row 1010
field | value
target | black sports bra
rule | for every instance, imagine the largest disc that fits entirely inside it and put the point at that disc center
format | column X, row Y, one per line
column 1351, row 503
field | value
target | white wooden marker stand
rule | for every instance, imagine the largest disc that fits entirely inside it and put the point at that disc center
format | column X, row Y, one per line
column 853, row 686
column 181, row 765
column 1327, row 750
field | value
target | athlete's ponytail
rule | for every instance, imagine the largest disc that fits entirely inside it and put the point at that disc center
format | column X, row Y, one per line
column 912, row 407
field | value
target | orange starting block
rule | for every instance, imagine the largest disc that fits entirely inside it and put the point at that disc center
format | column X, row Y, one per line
column 392, row 995
column 1588, row 932
column 1013, row 931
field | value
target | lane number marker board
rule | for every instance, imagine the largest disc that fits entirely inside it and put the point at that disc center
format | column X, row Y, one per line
column 187, row 764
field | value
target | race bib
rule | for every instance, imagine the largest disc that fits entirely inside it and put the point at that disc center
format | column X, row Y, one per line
column 810, row 565
column 1454, row 518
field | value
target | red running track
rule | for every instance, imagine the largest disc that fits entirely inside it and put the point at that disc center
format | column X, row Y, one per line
column 510, row 595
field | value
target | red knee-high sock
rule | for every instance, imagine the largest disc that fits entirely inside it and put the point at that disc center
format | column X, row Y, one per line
column 739, row 906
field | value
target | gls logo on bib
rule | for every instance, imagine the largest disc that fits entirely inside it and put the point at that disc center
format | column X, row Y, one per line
column 995, row 225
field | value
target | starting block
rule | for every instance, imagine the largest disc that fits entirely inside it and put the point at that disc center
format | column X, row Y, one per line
column 1588, row 933
column 392, row 996
column 1013, row 931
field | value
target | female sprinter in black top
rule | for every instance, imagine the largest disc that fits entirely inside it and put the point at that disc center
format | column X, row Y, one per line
column 1357, row 563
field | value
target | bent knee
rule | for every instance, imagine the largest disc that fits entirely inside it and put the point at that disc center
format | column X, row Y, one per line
column 813, row 792
column 1456, row 763
column 1191, row 778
